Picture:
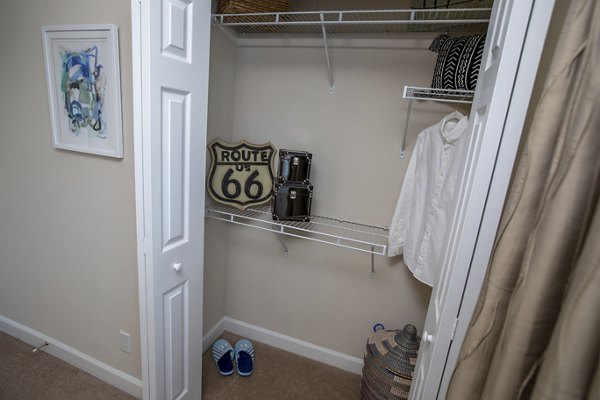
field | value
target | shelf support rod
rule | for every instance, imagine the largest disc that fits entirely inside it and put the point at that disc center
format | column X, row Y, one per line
column 327, row 53
column 372, row 275
column 403, row 145
column 279, row 234
column 285, row 248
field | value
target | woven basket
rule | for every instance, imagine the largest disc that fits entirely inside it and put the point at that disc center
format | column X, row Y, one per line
column 253, row 6
column 389, row 364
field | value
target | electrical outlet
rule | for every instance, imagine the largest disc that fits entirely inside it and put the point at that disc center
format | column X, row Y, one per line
column 125, row 342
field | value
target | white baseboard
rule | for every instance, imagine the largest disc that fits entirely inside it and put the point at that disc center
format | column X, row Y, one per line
column 108, row 374
column 293, row 345
column 213, row 334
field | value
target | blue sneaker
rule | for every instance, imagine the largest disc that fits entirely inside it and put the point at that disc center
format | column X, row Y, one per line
column 244, row 357
column 222, row 354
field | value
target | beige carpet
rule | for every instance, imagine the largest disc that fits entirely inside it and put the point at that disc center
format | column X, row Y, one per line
column 28, row 376
column 278, row 375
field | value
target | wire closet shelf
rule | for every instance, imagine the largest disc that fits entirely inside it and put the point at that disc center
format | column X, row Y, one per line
column 424, row 93
column 358, row 22
column 337, row 232
column 444, row 95
column 352, row 23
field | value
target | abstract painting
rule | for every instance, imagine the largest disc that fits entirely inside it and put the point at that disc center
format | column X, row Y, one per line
column 82, row 85
column 82, row 68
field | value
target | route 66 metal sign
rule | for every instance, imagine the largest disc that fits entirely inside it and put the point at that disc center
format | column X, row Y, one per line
column 240, row 174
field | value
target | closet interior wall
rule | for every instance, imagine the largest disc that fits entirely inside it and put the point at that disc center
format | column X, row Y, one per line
column 220, row 125
column 318, row 293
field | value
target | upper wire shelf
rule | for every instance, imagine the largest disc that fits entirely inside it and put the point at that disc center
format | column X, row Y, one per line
column 365, row 23
column 444, row 95
column 424, row 93
column 358, row 22
column 337, row 232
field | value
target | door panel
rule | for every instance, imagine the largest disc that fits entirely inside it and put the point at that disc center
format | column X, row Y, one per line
column 175, row 156
column 498, row 25
column 177, row 29
column 176, row 313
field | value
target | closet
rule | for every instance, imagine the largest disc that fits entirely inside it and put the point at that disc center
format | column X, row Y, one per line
column 332, row 88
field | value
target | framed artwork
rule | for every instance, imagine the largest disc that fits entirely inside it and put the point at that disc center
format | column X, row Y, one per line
column 84, row 88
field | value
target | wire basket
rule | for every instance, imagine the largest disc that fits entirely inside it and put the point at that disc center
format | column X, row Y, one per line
column 253, row 6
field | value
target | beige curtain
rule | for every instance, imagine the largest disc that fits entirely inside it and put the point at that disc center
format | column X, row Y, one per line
column 535, row 332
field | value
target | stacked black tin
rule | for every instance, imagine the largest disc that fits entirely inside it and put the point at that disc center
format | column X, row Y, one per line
column 389, row 363
column 292, row 190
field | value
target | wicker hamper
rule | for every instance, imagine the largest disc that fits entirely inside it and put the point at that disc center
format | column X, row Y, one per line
column 389, row 364
column 253, row 6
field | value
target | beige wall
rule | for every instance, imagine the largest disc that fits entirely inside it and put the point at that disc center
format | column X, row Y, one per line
column 67, row 220
column 220, row 125
column 319, row 293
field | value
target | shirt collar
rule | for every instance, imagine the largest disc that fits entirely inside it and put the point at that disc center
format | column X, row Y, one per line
column 452, row 134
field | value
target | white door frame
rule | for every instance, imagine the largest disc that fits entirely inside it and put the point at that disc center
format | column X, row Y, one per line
column 138, row 141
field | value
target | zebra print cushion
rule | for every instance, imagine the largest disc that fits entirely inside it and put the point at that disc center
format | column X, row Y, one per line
column 458, row 61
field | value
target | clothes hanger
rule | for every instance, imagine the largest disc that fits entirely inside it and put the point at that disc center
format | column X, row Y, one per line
column 454, row 116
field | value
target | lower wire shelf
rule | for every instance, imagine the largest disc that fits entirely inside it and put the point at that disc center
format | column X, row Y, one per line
column 350, row 235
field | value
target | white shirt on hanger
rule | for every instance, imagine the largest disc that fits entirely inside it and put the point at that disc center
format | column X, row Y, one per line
column 422, row 216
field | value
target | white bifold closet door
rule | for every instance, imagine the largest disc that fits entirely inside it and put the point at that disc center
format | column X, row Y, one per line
column 170, row 162
column 500, row 65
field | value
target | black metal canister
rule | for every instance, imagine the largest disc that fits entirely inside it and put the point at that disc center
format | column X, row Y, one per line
column 292, row 201
column 294, row 166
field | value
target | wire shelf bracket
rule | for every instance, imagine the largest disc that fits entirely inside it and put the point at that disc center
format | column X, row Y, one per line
column 327, row 57
column 361, row 237
column 423, row 93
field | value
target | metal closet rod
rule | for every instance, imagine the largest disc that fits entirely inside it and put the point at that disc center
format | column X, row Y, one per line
column 433, row 94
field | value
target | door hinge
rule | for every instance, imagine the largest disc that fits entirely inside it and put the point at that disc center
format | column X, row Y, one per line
column 454, row 328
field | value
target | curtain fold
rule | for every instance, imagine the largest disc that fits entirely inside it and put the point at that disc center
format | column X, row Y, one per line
column 570, row 362
column 594, row 391
column 518, row 341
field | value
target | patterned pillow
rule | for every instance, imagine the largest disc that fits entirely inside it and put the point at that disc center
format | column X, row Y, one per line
column 458, row 61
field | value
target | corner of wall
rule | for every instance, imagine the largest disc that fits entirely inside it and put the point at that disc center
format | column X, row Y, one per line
column 220, row 125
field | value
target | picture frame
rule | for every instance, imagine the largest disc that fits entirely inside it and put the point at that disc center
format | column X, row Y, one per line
column 84, row 88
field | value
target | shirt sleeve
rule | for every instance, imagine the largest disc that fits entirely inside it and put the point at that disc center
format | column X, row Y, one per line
column 398, row 226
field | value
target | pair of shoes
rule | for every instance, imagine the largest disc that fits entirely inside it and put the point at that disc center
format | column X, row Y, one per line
column 224, row 354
